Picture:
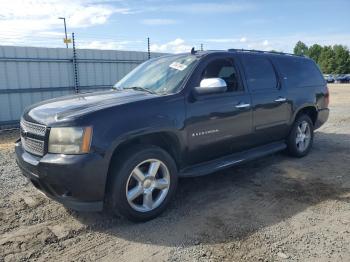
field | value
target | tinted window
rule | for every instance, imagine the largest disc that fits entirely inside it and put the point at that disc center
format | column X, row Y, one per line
column 259, row 72
column 225, row 69
column 299, row 72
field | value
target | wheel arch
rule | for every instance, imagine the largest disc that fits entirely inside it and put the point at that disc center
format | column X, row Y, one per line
column 308, row 109
column 166, row 140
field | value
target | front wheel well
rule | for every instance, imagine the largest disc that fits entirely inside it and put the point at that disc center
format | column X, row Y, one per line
column 165, row 140
column 310, row 111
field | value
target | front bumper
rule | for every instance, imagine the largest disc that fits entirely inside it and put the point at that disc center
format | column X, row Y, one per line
column 76, row 181
column 322, row 117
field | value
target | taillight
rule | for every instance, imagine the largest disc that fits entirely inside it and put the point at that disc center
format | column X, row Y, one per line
column 326, row 97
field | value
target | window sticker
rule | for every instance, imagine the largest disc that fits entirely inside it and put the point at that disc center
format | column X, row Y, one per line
column 178, row 66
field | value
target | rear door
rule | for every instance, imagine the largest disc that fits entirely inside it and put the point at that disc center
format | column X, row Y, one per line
column 218, row 124
column 271, row 108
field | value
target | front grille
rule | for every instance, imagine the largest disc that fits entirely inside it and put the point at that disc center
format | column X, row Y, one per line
column 33, row 137
column 34, row 146
column 33, row 128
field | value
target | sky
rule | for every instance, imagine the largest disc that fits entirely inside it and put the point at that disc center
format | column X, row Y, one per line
column 176, row 26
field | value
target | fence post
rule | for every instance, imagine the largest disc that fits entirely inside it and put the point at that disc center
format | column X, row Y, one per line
column 75, row 67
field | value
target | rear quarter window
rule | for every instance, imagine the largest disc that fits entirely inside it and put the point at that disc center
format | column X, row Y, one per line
column 299, row 72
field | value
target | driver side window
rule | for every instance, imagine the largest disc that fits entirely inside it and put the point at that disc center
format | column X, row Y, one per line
column 224, row 69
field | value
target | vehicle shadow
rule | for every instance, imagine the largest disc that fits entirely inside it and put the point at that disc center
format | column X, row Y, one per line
column 235, row 203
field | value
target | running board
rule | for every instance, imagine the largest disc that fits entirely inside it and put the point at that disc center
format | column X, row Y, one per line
column 232, row 160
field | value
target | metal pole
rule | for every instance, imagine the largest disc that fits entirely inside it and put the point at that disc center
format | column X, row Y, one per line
column 201, row 47
column 65, row 28
column 148, row 48
column 75, row 66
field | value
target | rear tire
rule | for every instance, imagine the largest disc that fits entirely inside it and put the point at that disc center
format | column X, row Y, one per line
column 143, row 183
column 300, row 139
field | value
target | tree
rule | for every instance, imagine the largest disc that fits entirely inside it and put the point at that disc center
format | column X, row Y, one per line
column 331, row 59
column 342, row 59
column 327, row 61
column 314, row 52
column 300, row 48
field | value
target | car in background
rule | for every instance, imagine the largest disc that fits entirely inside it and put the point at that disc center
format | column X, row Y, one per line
column 329, row 78
column 342, row 79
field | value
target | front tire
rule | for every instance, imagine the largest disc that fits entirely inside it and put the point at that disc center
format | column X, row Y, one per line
column 143, row 183
column 301, row 137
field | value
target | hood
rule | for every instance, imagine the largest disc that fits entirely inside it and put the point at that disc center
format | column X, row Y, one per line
column 73, row 106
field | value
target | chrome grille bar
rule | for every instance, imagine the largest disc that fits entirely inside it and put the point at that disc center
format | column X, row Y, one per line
column 33, row 128
column 34, row 146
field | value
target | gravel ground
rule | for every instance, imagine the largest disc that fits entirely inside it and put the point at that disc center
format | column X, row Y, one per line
column 275, row 209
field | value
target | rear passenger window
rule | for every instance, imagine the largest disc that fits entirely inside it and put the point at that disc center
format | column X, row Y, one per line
column 259, row 73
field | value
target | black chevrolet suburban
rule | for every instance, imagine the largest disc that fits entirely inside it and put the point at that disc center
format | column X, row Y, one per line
column 174, row 116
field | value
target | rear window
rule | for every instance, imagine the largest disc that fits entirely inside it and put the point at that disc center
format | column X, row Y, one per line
column 259, row 73
column 299, row 72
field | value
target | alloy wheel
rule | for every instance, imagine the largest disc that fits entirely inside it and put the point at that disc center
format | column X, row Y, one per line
column 303, row 136
column 148, row 185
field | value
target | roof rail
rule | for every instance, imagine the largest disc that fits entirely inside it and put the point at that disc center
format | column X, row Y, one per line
column 261, row 51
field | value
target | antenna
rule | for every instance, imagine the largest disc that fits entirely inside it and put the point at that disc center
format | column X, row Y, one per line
column 193, row 51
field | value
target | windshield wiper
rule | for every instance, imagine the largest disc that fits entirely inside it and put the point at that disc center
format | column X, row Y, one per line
column 139, row 88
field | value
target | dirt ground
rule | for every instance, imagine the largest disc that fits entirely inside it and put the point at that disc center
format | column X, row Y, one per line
column 276, row 209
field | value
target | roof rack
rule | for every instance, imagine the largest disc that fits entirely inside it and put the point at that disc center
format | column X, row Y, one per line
column 261, row 51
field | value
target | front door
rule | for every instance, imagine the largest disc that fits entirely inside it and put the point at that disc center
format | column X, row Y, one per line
column 219, row 124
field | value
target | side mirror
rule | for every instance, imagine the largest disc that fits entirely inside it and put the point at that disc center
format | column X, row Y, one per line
column 211, row 86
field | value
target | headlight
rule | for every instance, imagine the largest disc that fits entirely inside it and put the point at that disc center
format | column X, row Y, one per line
column 70, row 140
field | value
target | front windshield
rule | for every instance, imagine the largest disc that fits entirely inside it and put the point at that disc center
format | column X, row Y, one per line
column 163, row 75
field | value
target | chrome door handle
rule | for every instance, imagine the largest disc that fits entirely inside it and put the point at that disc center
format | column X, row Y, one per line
column 281, row 99
column 242, row 105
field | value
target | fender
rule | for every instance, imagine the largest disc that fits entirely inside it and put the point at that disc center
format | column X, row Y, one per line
column 301, row 107
column 142, row 132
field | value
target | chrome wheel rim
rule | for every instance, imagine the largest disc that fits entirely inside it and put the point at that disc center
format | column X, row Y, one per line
column 148, row 185
column 303, row 136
